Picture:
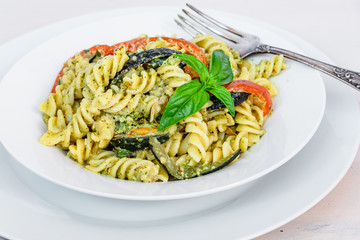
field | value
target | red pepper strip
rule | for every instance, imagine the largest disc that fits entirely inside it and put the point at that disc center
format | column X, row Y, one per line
column 134, row 44
column 141, row 131
column 188, row 47
column 103, row 49
column 252, row 88
column 229, row 131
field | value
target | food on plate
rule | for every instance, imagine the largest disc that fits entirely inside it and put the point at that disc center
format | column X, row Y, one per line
column 158, row 108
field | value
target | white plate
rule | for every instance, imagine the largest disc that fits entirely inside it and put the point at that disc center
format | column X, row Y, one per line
column 278, row 198
column 297, row 114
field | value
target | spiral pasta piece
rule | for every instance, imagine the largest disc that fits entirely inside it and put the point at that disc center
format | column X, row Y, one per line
column 266, row 68
column 132, row 105
column 259, row 73
column 152, row 106
column 57, row 123
column 83, row 119
column 162, row 176
column 62, row 138
column 172, row 146
column 249, row 126
column 106, row 69
column 53, row 103
column 218, row 122
column 72, row 68
column 83, row 149
column 103, row 131
column 135, row 169
column 160, row 43
column 222, row 149
column 197, row 141
column 142, row 82
column 209, row 43
column 112, row 101
column 245, row 74
column 173, row 75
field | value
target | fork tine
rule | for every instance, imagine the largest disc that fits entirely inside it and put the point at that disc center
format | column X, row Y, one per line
column 216, row 22
column 205, row 25
column 188, row 27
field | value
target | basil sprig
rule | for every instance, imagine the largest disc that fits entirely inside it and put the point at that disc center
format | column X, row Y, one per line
column 189, row 98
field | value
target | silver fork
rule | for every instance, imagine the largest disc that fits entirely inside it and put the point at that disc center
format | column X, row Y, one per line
column 247, row 44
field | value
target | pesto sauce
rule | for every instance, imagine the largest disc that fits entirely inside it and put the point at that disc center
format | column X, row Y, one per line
column 124, row 124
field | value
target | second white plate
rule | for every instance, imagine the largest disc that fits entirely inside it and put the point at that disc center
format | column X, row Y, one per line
column 278, row 198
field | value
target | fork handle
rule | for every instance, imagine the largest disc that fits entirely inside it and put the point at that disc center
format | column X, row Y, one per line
column 344, row 75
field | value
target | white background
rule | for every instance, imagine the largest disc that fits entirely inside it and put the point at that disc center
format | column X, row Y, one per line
column 332, row 26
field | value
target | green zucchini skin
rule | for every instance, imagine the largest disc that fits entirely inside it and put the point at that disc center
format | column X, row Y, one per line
column 238, row 98
column 164, row 159
column 136, row 143
column 203, row 170
column 191, row 172
column 155, row 57
column 188, row 172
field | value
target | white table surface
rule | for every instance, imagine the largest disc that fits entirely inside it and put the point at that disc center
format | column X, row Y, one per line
column 332, row 26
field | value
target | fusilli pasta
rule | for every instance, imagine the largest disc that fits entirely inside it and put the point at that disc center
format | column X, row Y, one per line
column 88, row 110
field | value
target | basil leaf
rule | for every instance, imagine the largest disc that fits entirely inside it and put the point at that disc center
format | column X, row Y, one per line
column 196, row 64
column 192, row 96
column 225, row 96
column 187, row 100
column 220, row 68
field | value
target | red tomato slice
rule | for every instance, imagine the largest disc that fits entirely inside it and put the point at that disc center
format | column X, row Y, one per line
column 252, row 88
column 188, row 47
column 103, row 49
column 134, row 44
